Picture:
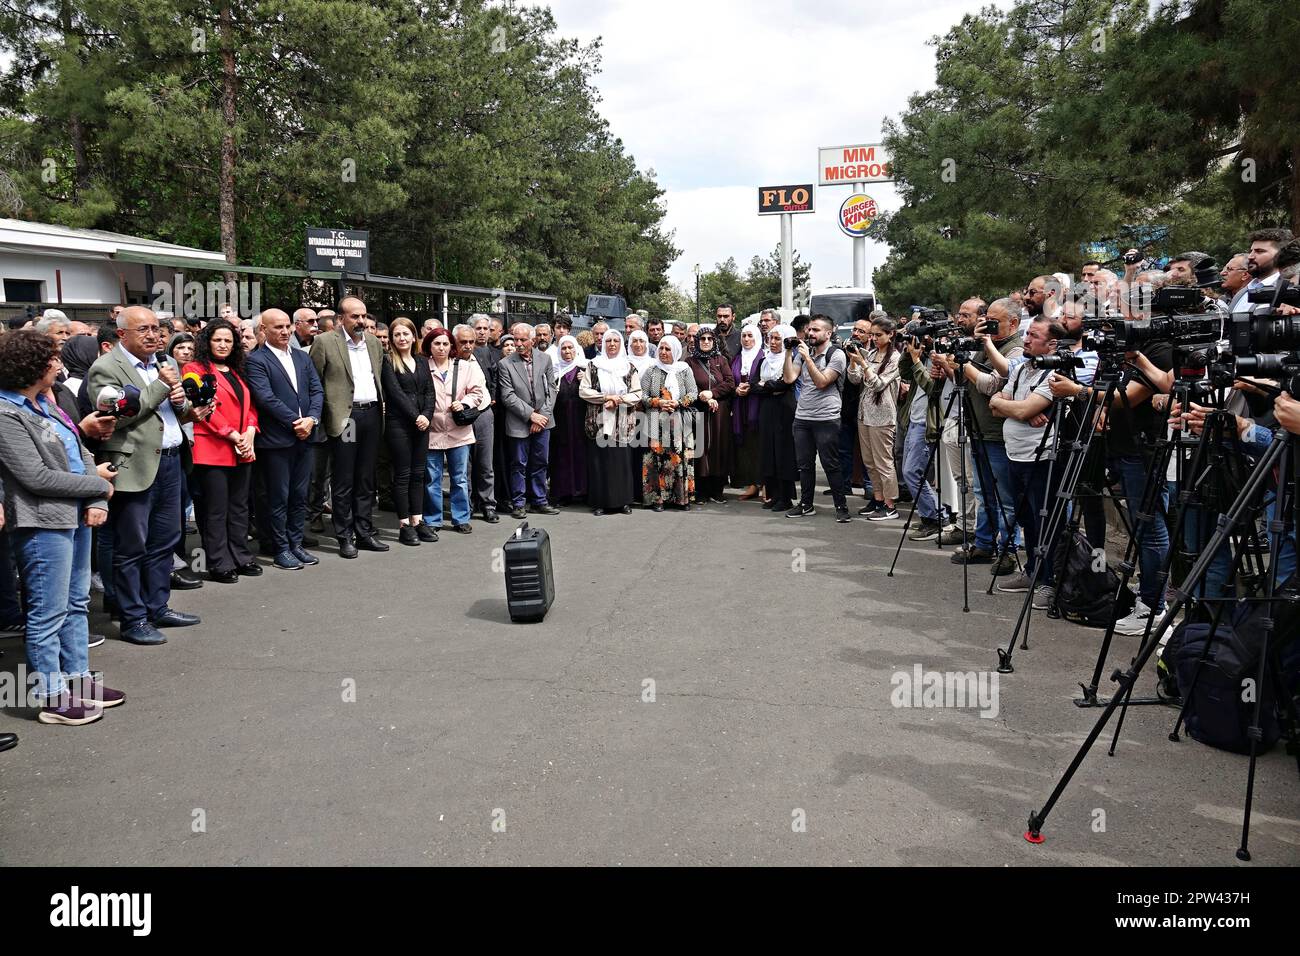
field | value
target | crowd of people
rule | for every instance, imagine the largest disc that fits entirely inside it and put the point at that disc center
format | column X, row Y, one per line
column 271, row 427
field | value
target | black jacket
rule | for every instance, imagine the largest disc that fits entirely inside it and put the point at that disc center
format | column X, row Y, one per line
column 408, row 394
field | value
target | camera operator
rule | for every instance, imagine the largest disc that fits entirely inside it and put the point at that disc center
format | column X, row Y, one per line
column 970, row 315
column 1026, row 404
column 922, row 429
column 1071, row 319
column 1182, row 272
column 1132, row 429
column 992, row 468
column 819, row 366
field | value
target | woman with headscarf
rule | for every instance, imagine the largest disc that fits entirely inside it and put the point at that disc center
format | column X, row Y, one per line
column 642, row 357
column 79, row 353
column 611, row 387
column 745, row 438
column 568, row 455
column 667, row 393
column 776, row 404
column 715, row 385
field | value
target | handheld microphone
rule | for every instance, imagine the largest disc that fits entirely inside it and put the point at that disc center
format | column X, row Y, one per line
column 116, row 401
column 199, row 389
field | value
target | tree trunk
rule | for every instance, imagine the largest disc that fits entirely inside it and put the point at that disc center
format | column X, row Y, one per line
column 81, row 175
column 227, row 175
column 1295, row 189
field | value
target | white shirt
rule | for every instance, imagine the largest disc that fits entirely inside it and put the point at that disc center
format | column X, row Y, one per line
column 149, row 372
column 286, row 361
column 1241, row 304
column 363, row 379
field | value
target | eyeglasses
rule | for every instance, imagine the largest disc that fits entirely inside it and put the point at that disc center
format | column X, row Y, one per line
column 146, row 330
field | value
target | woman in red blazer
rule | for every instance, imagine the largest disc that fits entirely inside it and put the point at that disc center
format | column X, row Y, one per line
column 223, row 453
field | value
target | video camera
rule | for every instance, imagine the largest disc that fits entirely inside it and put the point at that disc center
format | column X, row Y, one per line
column 1063, row 359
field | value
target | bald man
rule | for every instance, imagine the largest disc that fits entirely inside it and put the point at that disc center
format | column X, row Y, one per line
column 290, row 401
column 528, row 393
column 349, row 362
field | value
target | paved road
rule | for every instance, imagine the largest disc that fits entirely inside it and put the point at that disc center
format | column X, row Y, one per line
column 772, row 707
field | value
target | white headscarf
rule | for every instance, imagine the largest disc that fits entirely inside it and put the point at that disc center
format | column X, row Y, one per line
column 612, row 372
column 747, row 356
column 562, row 368
column 774, row 362
column 671, row 370
column 641, row 362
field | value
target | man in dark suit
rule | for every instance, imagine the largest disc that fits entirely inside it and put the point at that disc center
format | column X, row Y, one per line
column 350, row 363
column 528, row 393
column 147, row 449
column 289, row 400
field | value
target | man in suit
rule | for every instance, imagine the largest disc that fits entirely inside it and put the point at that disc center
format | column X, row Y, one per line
column 147, row 449
column 528, row 392
column 349, row 362
column 289, row 400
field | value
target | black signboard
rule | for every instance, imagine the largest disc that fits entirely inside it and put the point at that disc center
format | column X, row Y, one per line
column 781, row 199
column 338, row 250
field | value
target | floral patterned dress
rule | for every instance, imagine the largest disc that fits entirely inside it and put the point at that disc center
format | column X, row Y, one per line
column 668, row 465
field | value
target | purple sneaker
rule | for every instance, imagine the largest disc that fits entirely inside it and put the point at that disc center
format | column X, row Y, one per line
column 93, row 693
column 67, row 709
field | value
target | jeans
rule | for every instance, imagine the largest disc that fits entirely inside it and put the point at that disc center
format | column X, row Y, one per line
column 1030, row 486
column 993, row 487
column 55, row 568
column 1153, row 538
column 1199, row 526
column 529, row 455
column 813, row 440
column 1286, row 562
column 457, row 462
column 916, row 455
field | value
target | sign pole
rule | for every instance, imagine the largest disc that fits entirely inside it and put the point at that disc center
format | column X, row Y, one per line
column 859, row 250
column 787, row 261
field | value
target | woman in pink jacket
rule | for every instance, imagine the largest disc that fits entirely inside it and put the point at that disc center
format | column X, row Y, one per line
column 460, row 390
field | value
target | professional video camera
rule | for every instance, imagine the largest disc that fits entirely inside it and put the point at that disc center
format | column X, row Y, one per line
column 1178, row 321
column 1063, row 359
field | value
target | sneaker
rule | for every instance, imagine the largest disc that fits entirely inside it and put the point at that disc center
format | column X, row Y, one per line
column 972, row 555
column 1006, row 564
column 93, row 693
column 801, row 511
column 842, row 516
column 1018, row 582
column 96, row 640
column 1044, row 595
column 871, row 506
column 67, row 710
column 97, row 582
column 1135, row 625
column 883, row 514
column 927, row 529
column 953, row 535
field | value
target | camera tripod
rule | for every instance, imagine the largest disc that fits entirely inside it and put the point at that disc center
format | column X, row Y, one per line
column 965, row 422
column 1281, row 454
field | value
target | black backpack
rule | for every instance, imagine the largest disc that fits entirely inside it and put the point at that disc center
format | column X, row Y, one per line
column 1222, row 702
column 1085, row 595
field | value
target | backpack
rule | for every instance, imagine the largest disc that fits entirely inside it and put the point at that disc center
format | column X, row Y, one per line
column 1222, row 704
column 1085, row 595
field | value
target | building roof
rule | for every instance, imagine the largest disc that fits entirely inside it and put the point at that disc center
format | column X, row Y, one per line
column 41, row 238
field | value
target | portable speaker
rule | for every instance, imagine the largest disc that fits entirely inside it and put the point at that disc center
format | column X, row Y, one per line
column 530, row 581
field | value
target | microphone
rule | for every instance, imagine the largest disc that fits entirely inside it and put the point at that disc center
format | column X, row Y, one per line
column 118, row 401
column 199, row 389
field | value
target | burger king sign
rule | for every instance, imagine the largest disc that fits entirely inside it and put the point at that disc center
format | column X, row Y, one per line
column 857, row 213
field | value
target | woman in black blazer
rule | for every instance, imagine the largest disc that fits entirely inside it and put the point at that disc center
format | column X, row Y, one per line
column 408, row 394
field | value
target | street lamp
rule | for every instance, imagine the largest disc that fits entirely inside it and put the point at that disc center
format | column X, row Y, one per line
column 697, row 293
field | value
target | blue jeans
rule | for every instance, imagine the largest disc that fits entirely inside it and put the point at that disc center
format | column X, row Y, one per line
column 529, row 455
column 1153, row 539
column 1199, row 526
column 457, row 462
column 916, row 452
column 993, row 475
column 55, row 568
column 1031, row 483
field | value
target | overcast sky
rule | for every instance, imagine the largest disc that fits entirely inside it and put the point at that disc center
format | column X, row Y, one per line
column 720, row 97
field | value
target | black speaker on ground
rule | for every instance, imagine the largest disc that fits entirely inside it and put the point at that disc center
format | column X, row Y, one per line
column 530, row 581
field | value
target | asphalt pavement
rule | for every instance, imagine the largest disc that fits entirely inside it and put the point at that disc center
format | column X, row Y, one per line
column 723, row 686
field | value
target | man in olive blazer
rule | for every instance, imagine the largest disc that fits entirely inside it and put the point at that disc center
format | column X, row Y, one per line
column 148, row 450
column 349, row 361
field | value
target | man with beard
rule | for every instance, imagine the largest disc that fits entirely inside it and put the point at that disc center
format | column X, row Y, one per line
column 728, row 336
